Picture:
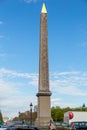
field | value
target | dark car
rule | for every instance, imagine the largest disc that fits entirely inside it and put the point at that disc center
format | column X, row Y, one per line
column 22, row 127
column 33, row 127
column 79, row 125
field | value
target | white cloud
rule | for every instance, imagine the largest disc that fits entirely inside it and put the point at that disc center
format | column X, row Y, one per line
column 6, row 88
column 1, row 22
column 84, row 44
column 1, row 36
column 29, row 1
column 56, row 99
column 71, row 90
column 14, row 74
column 12, row 105
column 32, row 1
column 2, row 55
column 58, row 102
column 13, row 96
column 16, row 89
column 70, row 83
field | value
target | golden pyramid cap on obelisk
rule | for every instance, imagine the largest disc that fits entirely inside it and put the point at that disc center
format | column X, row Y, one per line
column 44, row 10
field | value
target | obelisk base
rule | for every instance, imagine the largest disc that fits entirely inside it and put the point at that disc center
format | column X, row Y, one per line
column 44, row 110
column 43, row 121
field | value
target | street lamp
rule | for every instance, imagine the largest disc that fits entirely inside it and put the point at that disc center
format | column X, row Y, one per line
column 31, row 105
column 19, row 115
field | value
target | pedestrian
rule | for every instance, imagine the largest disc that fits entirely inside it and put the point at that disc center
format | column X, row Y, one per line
column 52, row 126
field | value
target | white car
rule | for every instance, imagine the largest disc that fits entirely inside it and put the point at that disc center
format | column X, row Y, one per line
column 3, row 127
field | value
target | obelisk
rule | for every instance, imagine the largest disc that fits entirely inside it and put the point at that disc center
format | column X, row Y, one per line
column 43, row 95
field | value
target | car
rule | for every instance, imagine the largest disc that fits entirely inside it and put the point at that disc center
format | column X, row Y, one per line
column 64, row 124
column 57, row 123
column 3, row 127
column 22, row 127
column 82, row 125
column 61, row 124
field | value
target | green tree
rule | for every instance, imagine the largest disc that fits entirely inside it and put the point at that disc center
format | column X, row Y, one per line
column 57, row 114
column 1, row 118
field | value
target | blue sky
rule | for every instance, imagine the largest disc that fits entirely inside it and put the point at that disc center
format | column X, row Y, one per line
column 19, row 53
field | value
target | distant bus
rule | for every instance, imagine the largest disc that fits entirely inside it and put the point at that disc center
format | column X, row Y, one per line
column 75, row 116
